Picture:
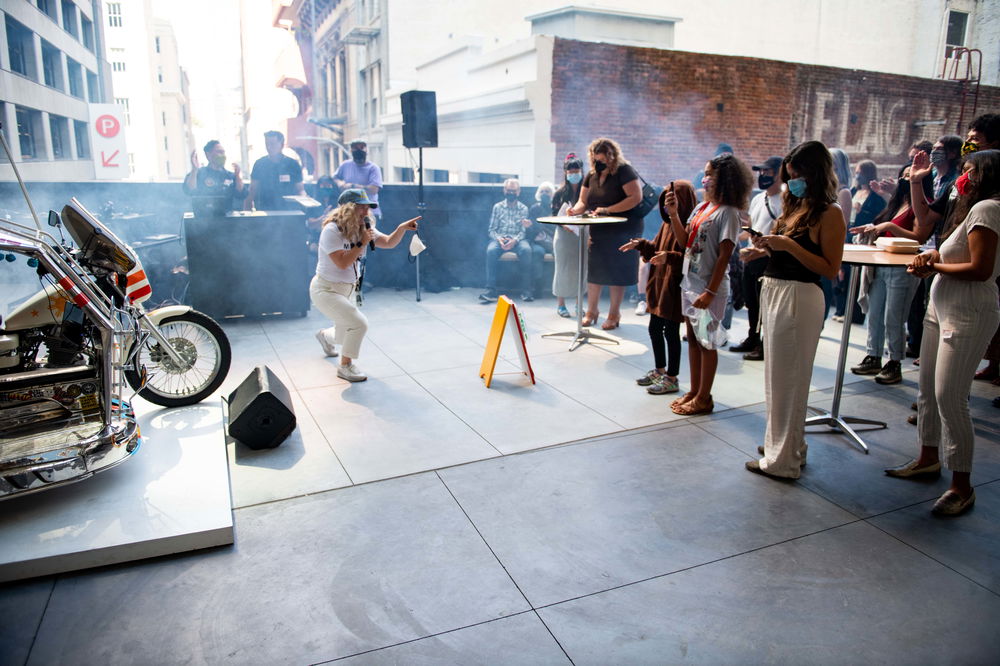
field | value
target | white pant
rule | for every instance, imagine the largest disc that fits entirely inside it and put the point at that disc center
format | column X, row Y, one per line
column 960, row 321
column 336, row 301
column 791, row 322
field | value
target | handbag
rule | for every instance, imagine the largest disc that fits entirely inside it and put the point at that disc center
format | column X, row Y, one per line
column 650, row 199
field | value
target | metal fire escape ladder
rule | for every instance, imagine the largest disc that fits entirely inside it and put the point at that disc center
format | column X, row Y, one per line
column 965, row 67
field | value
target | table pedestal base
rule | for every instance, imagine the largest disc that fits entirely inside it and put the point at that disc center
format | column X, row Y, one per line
column 838, row 423
column 580, row 337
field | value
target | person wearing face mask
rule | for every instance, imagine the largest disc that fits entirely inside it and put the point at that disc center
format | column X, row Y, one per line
column 566, row 244
column 611, row 188
column 214, row 180
column 360, row 174
column 508, row 222
column 962, row 315
column 274, row 176
column 539, row 236
column 807, row 242
column 765, row 208
column 890, row 288
column 946, row 156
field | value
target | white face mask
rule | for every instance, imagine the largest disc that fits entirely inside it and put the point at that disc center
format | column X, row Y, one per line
column 416, row 245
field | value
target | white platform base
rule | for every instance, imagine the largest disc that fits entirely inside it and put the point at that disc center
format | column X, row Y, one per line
column 172, row 496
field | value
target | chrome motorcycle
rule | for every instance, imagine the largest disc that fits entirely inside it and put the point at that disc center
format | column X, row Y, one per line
column 70, row 353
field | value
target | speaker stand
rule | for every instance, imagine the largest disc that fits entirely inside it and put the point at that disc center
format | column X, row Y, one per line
column 421, row 207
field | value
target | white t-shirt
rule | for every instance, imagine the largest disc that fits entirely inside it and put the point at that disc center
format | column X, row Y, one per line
column 331, row 240
column 955, row 250
column 760, row 219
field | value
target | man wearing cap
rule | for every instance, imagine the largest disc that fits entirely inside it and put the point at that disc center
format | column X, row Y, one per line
column 213, row 180
column 359, row 173
column 765, row 208
column 348, row 232
column 274, row 176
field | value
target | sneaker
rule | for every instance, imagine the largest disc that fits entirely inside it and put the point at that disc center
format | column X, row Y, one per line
column 488, row 296
column 325, row 343
column 351, row 373
column 640, row 308
column 891, row 374
column 663, row 385
column 749, row 344
column 756, row 354
column 869, row 366
column 527, row 297
column 647, row 378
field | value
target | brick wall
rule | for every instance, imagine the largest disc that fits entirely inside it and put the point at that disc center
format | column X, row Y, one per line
column 670, row 109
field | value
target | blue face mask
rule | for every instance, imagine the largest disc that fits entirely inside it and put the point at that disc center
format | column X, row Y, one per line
column 797, row 187
column 574, row 178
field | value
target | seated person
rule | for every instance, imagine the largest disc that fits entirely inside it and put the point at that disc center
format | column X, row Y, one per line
column 213, row 180
column 538, row 235
column 507, row 226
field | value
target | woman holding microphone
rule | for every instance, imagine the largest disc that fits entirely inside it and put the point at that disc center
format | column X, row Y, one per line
column 347, row 233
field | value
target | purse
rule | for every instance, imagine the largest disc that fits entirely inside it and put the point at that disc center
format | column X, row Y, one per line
column 650, row 199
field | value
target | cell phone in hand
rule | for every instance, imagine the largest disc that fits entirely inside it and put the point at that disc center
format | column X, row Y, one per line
column 753, row 232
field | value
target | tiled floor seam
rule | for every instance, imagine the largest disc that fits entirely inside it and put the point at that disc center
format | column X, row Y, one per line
column 421, row 638
column 41, row 617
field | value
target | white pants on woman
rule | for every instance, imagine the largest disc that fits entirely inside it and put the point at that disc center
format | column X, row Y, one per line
column 960, row 321
column 791, row 321
column 336, row 301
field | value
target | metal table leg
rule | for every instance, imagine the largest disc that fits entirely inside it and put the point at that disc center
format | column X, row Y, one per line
column 833, row 419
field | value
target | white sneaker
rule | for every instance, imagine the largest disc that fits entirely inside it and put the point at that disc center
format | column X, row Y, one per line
column 325, row 343
column 351, row 373
column 640, row 309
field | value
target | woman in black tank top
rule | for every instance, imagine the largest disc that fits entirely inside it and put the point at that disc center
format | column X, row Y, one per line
column 807, row 244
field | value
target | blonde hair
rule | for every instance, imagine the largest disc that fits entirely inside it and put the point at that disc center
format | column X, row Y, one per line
column 611, row 148
column 345, row 216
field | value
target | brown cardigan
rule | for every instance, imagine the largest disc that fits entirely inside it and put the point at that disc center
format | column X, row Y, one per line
column 663, row 290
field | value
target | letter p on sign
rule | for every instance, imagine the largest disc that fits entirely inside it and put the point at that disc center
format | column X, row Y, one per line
column 108, row 126
column 107, row 142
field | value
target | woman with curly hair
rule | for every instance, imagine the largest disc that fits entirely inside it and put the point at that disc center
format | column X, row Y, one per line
column 347, row 232
column 612, row 187
column 961, row 318
column 708, row 240
column 807, row 244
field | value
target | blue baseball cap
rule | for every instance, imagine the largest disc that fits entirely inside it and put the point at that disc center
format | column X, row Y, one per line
column 356, row 196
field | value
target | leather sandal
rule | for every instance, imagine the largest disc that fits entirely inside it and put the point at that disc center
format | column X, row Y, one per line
column 687, row 397
column 588, row 319
column 692, row 408
column 609, row 324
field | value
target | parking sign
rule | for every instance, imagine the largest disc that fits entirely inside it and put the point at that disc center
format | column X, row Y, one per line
column 107, row 141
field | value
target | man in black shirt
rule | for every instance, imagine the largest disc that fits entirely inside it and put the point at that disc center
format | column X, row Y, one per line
column 274, row 177
column 213, row 180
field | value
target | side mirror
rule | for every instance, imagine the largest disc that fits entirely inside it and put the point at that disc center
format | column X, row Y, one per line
column 54, row 220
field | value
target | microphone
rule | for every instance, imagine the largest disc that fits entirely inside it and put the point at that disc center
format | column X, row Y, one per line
column 371, row 243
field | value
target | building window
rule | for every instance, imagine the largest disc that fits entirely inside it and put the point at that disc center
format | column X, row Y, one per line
column 166, row 146
column 48, row 7
column 131, row 163
column 115, row 14
column 87, row 32
column 52, row 66
column 371, row 95
column 404, row 175
column 82, row 133
column 21, row 49
column 486, row 177
column 59, row 130
column 163, row 118
column 159, row 74
column 75, row 72
column 69, row 18
column 123, row 102
column 93, row 91
column 117, row 60
column 958, row 23
column 436, row 175
column 29, row 132
column 157, row 42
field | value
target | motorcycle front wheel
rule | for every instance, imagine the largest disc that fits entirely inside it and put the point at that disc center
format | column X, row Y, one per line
column 205, row 353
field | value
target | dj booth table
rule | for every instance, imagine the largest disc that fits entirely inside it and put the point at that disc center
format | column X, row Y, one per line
column 249, row 263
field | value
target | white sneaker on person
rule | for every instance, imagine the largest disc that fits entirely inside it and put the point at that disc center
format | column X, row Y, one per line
column 325, row 343
column 351, row 373
column 640, row 308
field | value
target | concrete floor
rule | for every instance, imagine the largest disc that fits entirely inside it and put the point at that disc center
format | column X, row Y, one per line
column 419, row 518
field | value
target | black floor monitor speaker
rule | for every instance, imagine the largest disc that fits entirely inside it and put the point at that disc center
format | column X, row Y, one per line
column 260, row 410
column 420, row 124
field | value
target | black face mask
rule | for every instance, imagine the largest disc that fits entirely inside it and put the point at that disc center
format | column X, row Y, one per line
column 764, row 182
column 359, row 155
column 510, row 196
column 600, row 166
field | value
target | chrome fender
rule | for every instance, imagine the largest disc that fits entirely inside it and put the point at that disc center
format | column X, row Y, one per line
column 159, row 314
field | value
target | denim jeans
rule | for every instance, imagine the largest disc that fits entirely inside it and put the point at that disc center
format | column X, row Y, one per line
column 493, row 252
column 889, row 299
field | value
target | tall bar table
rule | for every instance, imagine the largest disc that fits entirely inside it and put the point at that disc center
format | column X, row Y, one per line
column 857, row 256
column 582, row 334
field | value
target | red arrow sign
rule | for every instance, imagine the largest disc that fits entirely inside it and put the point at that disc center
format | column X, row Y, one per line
column 106, row 161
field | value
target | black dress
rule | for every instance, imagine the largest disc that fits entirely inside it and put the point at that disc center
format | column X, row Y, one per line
column 606, row 265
